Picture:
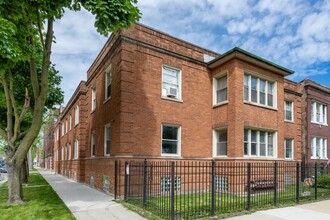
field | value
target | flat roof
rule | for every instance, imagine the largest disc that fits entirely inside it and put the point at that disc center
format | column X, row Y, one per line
column 239, row 53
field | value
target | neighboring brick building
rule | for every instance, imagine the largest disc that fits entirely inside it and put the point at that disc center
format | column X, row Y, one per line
column 316, row 131
column 70, row 136
column 151, row 96
column 48, row 145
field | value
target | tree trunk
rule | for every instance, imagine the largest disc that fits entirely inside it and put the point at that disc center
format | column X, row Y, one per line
column 30, row 159
column 15, row 193
column 25, row 172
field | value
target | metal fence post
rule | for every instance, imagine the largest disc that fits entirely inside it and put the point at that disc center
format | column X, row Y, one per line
column 172, row 191
column 315, row 181
column 213, row 188
column 125, row 180
column 297, row 182
column 116, row 178
column 249, row 186
column 145, row 182
column 275, row 183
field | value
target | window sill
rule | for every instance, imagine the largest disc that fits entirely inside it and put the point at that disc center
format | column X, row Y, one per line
column 171, row 155
column 107, row 155
column 317, row 158
column 93, row 111
column 220, row 156
column 172, row 99
column 106, row 100
column 259, row 157
column 259, row 105
column 320, row 124
column 288, row 159
column 220, row 104
column 287, row 121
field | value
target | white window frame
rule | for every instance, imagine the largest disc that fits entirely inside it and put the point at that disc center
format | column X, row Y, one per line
column 178, row 141
column 69, row 151
column 70, row 122
column 62, row 153
column 321, row 109
column 76, row 149
column 105, row 140
column 267, row 81
column 66, row 125
column 216, row 132
column 165, row 94
column 76, row 115
column 292, row 111
column 93, row 98
column 108, row 82
column 323, row 146
column 292, row 148
column 93, row 141
column 216, row 78
column 275, row 148
column 62, row 129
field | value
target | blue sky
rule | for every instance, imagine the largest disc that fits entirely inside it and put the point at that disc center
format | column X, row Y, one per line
column 292, row 33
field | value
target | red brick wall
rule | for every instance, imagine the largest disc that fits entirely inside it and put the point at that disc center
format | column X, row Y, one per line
column 312, row 129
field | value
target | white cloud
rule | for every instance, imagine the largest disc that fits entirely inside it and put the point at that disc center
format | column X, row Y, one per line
column 77, row 45
column 292, row 33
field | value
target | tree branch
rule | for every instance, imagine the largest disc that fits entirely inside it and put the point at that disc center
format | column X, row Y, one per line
column 21, row 135
column 9, row 108
column 13, row 103
column 40, row 30
column 28, row 139
column 34, row 73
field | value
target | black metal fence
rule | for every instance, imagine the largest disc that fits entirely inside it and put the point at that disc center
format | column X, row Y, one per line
column 194, row 189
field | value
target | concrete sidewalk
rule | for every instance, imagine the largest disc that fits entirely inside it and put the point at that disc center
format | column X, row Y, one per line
column 3, row 178
column 315, row 211
column 85, row 202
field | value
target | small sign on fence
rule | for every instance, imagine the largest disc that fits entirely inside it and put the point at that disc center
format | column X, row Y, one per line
column 127, row 169
column 308, row 182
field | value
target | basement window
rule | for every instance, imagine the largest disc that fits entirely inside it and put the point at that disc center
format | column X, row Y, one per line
column 165, row 184
column 106, row 183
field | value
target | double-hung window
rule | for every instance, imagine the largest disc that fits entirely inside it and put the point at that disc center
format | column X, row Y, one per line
column 171, row 140
column 221, row 140
column 76, row 149
column 62, row 153
column 108, row 81
column 171, row 82
column 288, row 111
column 107, row 142
column 93, row 140
column 258, row 143
column 70, row 122
column 66, row 125
column 69, row 151
column 259, row 91
column 93, row 98
column 220, row 89
column 62, row 129
column 76, row 115
column 319, row 113
column 288, row 148
column 319, row 148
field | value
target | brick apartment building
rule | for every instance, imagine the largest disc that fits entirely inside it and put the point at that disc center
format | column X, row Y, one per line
column 48, row 145
column 316, row 131
column 152, row 96
column 70, row 136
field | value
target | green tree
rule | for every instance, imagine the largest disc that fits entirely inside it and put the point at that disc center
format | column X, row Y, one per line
column 26, row 26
